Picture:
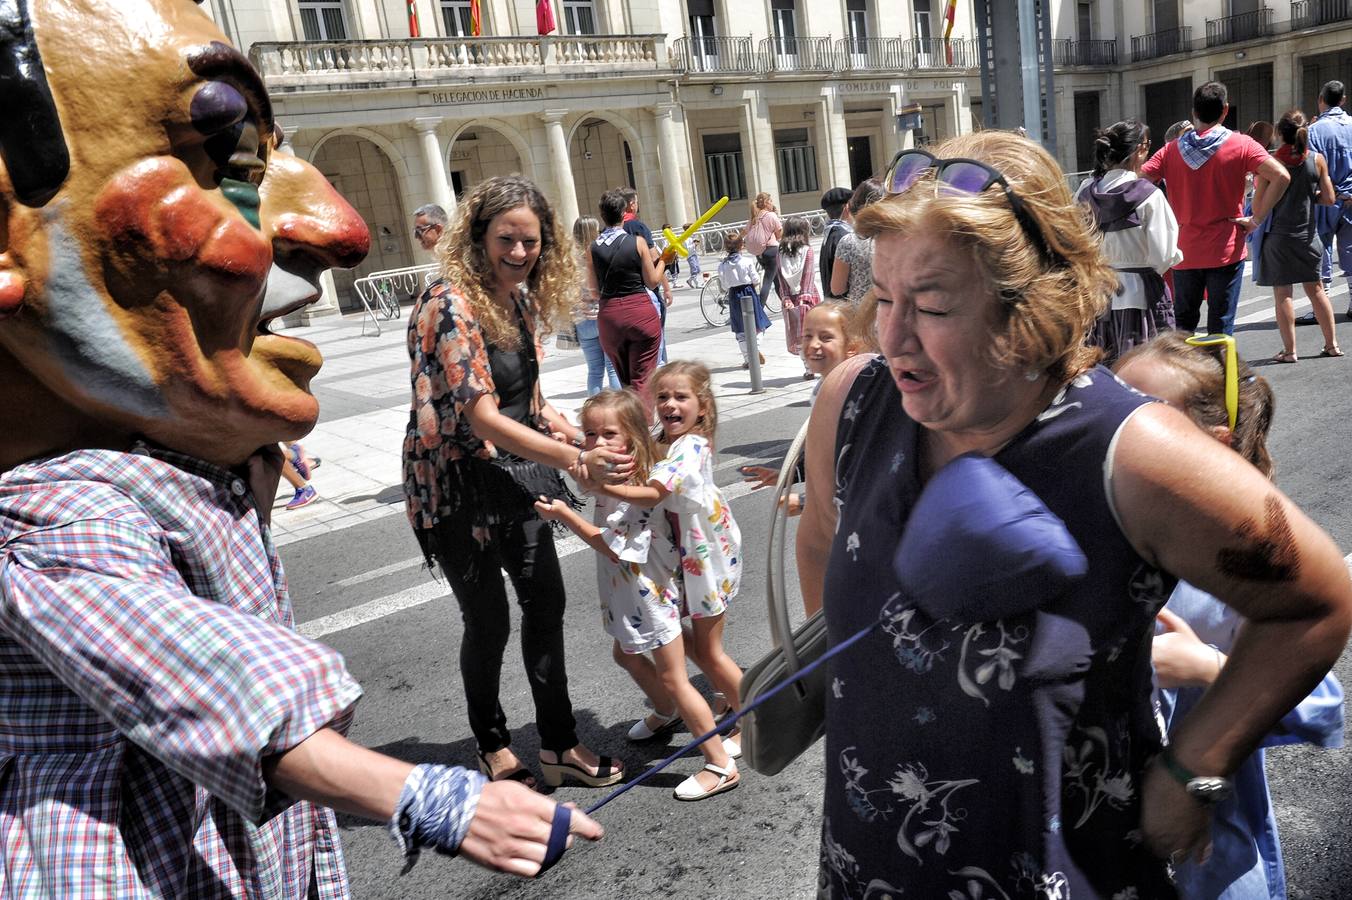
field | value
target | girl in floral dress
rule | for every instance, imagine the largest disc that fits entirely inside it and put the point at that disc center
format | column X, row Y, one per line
column 682, row 484
column 638, row 577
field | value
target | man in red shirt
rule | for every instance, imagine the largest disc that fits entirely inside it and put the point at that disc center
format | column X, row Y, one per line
column 1205, row 171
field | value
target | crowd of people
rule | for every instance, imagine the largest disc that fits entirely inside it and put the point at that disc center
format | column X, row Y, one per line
column 166, row 732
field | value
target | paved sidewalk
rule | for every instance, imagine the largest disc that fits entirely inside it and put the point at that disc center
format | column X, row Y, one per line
column 363, row 392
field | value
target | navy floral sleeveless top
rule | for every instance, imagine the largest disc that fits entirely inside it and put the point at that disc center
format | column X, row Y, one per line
column 996, row 759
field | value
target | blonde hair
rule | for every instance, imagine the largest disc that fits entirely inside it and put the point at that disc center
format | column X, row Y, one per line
column 1200, row 372
column 702, row 386
column 759, row 204
column 852, row 325
column 551, row 286
column 633, row 421
column 1046, row 302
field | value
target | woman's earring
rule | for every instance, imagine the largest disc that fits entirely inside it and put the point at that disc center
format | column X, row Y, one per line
column 1032, row 375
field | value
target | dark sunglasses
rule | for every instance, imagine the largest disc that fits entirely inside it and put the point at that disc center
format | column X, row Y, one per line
column 968, row 176
column 420, row 230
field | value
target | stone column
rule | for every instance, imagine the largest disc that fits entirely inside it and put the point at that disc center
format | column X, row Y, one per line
column 832, row 113
column 566, row 202
column 327, row 304
column 758, row 148
column 891, row 138
column 668, row 162
column 438, row 186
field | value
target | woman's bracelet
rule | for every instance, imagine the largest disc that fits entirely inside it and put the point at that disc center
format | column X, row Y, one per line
column 580, row 466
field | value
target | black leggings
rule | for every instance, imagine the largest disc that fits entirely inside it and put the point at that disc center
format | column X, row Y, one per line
column 769, row 260
column 526, row 551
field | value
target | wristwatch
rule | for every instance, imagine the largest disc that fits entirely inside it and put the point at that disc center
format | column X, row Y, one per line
column 1205, row 789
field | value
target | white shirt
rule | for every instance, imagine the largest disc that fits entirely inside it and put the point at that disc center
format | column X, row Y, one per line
column 738, row 270
column 1154, row 245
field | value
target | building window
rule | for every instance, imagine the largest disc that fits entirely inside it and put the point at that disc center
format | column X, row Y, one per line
column 629, row 165
column 856, row 22
column 723, row 165
column 579, row 17
column 922, row 20
column 796, row 160
column 323, row 20
column 786, row 28
column 1164, row 15
column 702, row 30
column 455, row 18
column 1085, row 15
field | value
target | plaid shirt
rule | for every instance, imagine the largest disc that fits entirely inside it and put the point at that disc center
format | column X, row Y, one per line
column 147, row 666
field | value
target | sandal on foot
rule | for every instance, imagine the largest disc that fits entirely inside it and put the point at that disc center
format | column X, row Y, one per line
column 732, row 748
column 1286, row 356
column 521, row 773
column 1331, row 351
column 642, row 731
column 691, row 789
column 608, row 771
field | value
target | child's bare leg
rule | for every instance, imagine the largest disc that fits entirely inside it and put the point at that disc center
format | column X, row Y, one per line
column 670, row 664
column 291, row 475
column 644, row 673
column 722, row 671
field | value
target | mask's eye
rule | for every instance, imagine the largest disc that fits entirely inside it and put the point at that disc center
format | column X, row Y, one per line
column 238, row 152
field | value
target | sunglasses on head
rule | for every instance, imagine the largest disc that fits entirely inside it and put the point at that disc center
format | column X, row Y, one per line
column 967, row 176
column 1227, row 342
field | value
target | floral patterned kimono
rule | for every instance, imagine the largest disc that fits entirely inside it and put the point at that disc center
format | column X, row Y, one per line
column 711, row 544
column 998, row 759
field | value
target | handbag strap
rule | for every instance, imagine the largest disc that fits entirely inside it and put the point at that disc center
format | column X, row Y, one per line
column 780, row 631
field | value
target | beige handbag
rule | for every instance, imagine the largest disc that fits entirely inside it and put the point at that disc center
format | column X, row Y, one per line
column 793, row 718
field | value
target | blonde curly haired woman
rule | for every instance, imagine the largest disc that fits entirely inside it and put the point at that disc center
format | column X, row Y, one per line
column 483, row 444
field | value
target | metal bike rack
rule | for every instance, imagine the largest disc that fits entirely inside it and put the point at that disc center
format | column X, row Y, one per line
column 380, row 291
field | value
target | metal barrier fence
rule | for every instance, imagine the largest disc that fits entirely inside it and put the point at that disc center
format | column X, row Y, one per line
column 713, row 234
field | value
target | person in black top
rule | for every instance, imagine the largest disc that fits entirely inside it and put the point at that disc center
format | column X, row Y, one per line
column 834, row 202
column 632, row 224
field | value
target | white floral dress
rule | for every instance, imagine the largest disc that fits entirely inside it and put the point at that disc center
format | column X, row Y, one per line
column 710, row 542
column 640, row 595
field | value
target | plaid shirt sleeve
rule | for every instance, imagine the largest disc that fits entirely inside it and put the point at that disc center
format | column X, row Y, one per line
column 207, row 689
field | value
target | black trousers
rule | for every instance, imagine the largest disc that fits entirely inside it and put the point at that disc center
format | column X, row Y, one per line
column 525, row 550
column 769, row 260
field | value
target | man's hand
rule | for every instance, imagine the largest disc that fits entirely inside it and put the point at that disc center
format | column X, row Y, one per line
column 1247, row 223
column 510, row 828
column 1180, row 657
column 760, row 476
column 1175, row 826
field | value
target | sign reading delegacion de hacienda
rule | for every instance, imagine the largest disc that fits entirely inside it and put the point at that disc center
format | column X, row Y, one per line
column 487, row 95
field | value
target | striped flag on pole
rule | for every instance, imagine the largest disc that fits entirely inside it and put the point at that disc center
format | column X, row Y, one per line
column 413, row 19
column 476, row 27
column 950, row 13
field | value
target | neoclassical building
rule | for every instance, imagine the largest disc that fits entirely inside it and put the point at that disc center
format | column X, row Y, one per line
column 687, row 100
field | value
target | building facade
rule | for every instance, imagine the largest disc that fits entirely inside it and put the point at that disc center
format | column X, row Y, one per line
column 688, row 100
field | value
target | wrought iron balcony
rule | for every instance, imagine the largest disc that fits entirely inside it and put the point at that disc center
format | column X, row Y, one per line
column 329, row 65
column 1313, row 13
column 1066, row 52
column 1243, row 26
column 859, row 54
column 734, row 55
column 797, row 54
column 1161, row 43
column 930, row 53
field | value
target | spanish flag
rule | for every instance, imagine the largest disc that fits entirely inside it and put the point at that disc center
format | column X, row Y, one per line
column 950, row 13
column 544, row 17
column 475, row 24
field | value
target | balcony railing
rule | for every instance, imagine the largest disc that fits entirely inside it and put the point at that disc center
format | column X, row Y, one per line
column 1312, row 13
column 1240, row 27
column 1066, row 52
column 715, row 54
column 854, row 54
column 929, row 53
column 328, row 64
column 797, row 54
column 1161, row 43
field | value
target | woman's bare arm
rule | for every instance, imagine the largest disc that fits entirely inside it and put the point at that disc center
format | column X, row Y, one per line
column 489, row 424
column 653, row 266
column 840, row 276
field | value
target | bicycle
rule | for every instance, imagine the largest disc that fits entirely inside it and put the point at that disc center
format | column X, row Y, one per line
column 713, row 302
column 386, row 302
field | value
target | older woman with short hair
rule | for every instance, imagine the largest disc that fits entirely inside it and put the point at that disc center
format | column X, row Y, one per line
column 1010, row 749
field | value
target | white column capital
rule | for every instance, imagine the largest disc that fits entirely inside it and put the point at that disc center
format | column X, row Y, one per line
column 426, row 124
column 554, row 116
column 664, row 110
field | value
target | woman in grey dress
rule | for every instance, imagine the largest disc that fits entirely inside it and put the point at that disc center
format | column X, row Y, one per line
column 1291, row 247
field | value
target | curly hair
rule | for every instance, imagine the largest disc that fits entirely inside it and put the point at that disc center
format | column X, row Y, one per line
column 552, row 285
column 1047, row 301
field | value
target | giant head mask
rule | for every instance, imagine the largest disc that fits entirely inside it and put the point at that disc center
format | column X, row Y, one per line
column 149, row 232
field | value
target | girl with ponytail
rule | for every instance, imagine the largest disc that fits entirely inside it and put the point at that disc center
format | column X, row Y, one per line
column 1291, row 247
column 1140, row 238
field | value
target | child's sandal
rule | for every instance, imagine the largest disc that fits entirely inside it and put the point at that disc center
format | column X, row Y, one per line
column 691, row 789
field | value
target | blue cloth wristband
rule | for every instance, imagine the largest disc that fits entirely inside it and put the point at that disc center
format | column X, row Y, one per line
column 435, row 809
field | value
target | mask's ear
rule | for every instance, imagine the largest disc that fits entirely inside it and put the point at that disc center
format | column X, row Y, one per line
column 32, row 145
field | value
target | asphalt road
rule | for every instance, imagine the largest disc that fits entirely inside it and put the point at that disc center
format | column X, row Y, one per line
column 760, row 840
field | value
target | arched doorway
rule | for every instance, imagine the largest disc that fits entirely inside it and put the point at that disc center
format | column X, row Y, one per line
column 364, row 174
column 602, row 157
column 481, row 151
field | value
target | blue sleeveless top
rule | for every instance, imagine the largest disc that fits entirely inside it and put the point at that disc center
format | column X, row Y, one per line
column 1001, row 757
